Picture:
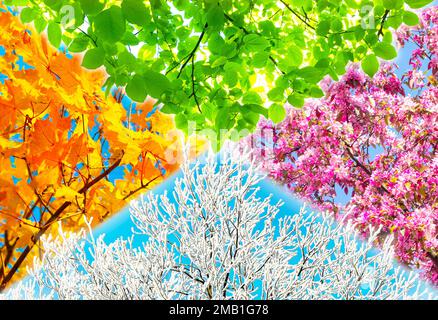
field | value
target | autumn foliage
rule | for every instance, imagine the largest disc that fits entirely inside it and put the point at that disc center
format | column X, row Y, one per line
column 66, row 150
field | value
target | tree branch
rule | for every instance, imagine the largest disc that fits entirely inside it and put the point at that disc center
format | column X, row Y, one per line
column 382, row 24
column 143, row 186
column 193, row 84
column 49, row 222
column 297, row 15
column 192, row 53
column 247, row 32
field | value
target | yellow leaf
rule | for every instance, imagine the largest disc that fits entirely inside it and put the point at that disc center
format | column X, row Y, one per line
column 68, row 193
column 25, row 232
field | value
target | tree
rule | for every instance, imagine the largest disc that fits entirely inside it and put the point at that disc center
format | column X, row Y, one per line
column 66, row 151
column 368, row 139
column 216, row 239
column 215, row 62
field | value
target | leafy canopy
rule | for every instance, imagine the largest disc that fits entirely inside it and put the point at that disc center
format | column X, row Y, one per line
column 222, row 64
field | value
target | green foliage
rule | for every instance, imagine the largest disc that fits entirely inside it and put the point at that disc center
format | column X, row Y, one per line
column 93, row 58
column 135, row 12
column 277, row 113
column 370, row 65
column 110, row 25
column 222, row 64
column 91, row 7
column 54, row 34
column 410, row 18
column 385, row 50
column 416, row 4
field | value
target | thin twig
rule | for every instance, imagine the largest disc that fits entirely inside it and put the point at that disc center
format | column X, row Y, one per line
column 297, row 15
column 192, row 53
column 193, row 84
column 382, row 24
column 49, row 222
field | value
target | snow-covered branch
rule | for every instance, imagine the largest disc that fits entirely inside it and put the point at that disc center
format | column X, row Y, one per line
column 214, row 238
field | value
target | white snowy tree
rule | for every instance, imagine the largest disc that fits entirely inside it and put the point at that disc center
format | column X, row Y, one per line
column 214, row 238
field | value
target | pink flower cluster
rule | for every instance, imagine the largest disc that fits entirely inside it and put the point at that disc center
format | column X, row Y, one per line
column 369, row 139
column 425, row 38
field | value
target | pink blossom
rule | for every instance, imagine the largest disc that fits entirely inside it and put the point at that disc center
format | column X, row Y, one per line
column 369, row 139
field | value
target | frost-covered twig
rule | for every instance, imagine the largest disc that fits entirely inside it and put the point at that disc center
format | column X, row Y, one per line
column 214, row 238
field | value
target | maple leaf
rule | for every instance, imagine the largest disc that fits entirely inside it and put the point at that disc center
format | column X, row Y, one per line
column 61, row 140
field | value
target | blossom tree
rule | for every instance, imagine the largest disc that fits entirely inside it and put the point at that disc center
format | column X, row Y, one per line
column 215, row 239
column 374, row 142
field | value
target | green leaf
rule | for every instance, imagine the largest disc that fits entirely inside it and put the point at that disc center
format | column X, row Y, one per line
column 219, row 62
column 255, row 108
column 394, row 21
column 28, row 14
column 276, row 94
column 92, row 7
column 93, row 58
column 215, row 16
column 108, row 86
column 136, row 89
column 109, row 25
column 16, row 2
column 336, row 25
column 393, row 4
column 410, row 18
column 147, row 52
column 295, row 56
column 54, row 4
column 323, row 28
column 54, row 34
column 370, row 65
column 323, row 63
column 268, row 28
column 255, row 42
column 416, row 4
column 223, row 119
column 231, row 78
column 170, row 108
column 130, row 39
column 316, row 92
column 387, row 37
column 181, row 121
column 79, row 17
column 296, row 99
column 127, row 59
column 79, row 44
column 277, row 113
column 216, row 43
column 310, row 74
column 135, row 12
column 282, row 82
column 298, row 3
column 40, row 24
column 251, row 118
column 385, row 51
column 251, row 98
column 156, row 83
column 260, row 59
